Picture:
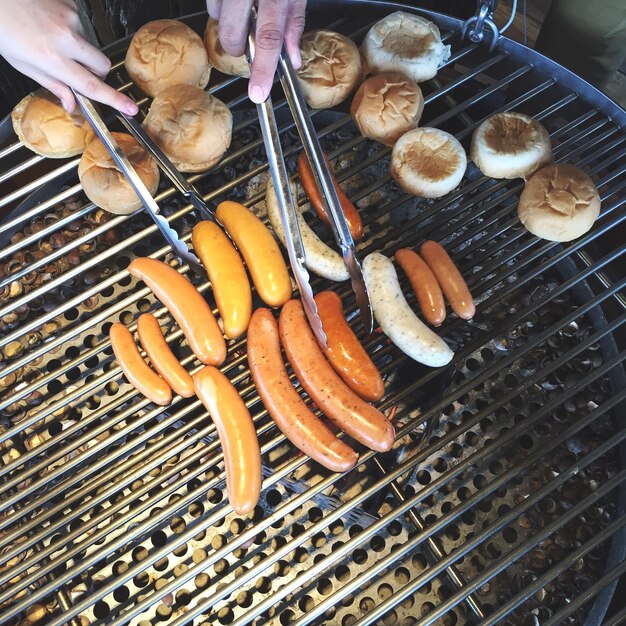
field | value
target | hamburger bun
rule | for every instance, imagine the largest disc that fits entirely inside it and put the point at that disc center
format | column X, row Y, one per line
column 164, row 53
column 559, row 203
column 386, row 106
column 331, row 68
column 43, row 126
column 428, row 162
column 103, row 182
column 406, row 43
column 192, row 127
column 510, row 145
column 219, row 58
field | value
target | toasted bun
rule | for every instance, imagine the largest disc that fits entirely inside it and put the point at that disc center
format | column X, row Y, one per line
column 219, row 58
column 405, row 43
column 105, row 185
column 559, row 203
column 331, row 68
column 164, row 53
column 43, row 126
column 510, row 145
column 386, row 106
column 428, row 162
column 192, row 127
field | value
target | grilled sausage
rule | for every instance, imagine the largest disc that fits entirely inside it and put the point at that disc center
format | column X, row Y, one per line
column 292, row 416
column 161, row 356
column 187, row 306
column 345, row 352
column 450, row 279
column 334, row 398
column 307, row 178
column 425, row 286
column 319, row 257
column 395, row 316
column 242, row 457
column 260, row 251
column 227, row 274
column 137, row 371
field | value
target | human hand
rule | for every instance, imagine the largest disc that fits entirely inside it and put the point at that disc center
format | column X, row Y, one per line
column 278, row 22
column 44, row 39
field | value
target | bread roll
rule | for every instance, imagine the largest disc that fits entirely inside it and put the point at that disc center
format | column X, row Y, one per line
column 386, row 106
column 331, row 68
column 43, row 126
column 192, row 127
column 103, row 182
column 164, row 53
column 510, row 145
column 219, row 58
column 405, row 43
column 559, row 203
column 428, row 162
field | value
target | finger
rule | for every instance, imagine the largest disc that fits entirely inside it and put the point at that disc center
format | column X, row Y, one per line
column 270, row 29
column 233, row 27
column 295, row 28
column 90, row 57
column 214, row 8
column 61, row 91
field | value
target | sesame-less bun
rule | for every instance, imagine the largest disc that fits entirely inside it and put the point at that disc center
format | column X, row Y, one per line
column 331, row 68
column 192, row 127
column 386, row 106
column 510, row 145
column 44, row 127
column 428, row 162
column 219, row 58
column 559, row 203
column 405, row 43
column 165, row 53
column 105, row 185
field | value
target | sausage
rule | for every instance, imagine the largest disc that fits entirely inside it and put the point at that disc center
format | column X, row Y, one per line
column 187, row 306
column 137, row 371
column 307, row 178
column 425, row 286
column 334, row 398
column 345, row 352
column 395, row 316
column 450, row 279
column 227, row 274
column 260, row 251
column 292, row 416
column 319, row 257
column 242, row 457
column 161, row 356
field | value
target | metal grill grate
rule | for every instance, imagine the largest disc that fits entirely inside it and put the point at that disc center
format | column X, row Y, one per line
column 502, row 501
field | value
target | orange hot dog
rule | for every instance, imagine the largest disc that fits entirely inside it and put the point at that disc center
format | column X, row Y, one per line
column 345, row 352
column 137, row 371
column 316, row 198
column 162, row 357
column 242, row 457
column 425, row 286
column 292, row 416
column 259, row 250
column 227, row 274
column 449, row 278
column 334, row 398
column 187, row 305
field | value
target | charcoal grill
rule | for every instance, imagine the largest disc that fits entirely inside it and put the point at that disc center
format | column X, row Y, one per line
column 503, row 501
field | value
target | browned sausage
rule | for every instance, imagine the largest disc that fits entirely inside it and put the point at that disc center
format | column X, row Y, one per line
column 292, row 416
column 345, row 352
column 162, row 357
column 137, row 371
column 425, row 286
column 450, row 279
column 334, row 398
column 242, row 457
column 316, row 199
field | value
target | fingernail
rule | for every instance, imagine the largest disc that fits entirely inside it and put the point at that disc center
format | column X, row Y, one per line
column 66, row 106
column 257, row 94
column 131, row 108
column 296, row 60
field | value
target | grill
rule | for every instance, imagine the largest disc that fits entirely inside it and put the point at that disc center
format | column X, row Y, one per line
column 503, row 501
